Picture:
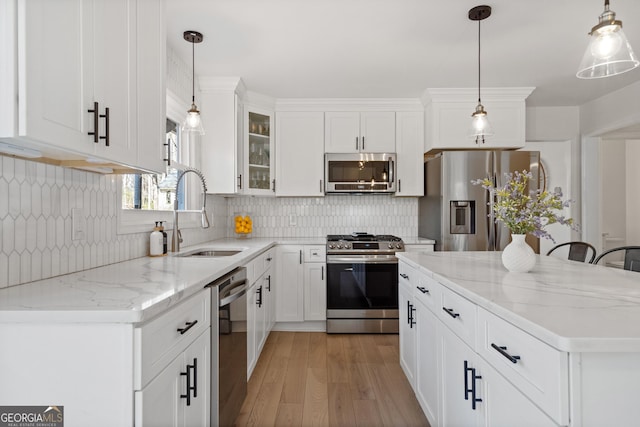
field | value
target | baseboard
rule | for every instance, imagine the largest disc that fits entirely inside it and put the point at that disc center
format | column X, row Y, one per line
column 309, row 326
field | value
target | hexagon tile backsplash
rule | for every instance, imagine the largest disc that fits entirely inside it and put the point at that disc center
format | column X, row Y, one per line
column 36, row 200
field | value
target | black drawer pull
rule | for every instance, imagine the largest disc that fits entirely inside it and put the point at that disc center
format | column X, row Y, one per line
column 423, row 289
column 450, row 312
column 503, row 351
column 189, row 325
column 404, row 276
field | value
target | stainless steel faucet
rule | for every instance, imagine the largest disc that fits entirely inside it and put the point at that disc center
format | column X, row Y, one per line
column 176, row 238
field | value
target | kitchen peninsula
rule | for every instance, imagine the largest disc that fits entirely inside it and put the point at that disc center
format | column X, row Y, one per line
column 557, row 346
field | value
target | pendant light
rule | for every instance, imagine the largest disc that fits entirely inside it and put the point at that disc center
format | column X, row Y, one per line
column 193, row 122
column 480, row 126
column 609, row 52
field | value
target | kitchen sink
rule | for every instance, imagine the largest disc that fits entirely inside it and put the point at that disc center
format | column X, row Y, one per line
column 211, row 253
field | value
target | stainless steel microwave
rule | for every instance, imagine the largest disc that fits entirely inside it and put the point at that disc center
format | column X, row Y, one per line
column 360, row 173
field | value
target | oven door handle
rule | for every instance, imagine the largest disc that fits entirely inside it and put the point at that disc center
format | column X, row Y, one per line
column 362, row 260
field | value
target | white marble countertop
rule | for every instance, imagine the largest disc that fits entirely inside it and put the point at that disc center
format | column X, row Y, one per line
column 569, row 305
column 126, row 292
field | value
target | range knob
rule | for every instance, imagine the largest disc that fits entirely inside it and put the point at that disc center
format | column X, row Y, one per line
column 331, row 246
column 390, row 246
column 339, row 246
column 398, row 246
column 347, row 245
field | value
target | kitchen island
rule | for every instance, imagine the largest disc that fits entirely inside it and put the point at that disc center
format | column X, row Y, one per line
column 559, row 345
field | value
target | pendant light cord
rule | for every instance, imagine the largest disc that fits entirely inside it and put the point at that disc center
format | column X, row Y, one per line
column 479, row 62
column 193, row 72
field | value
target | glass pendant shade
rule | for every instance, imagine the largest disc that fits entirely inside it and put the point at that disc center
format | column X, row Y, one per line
column 193, row 122
column 609, row 52
column 480, row 126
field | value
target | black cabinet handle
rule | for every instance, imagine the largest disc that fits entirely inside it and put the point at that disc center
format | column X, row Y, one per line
column 269, row 283
column 322, row 272
column 300, row 256
column 105, row 116
column 467, row 390
column 412, row 320
column 269, row 259
column 474, row 398
column 363, row 142
column 404, row 276
column 95, row 122
column 240, row 181
column 274, row 185
column 503, row 351
column 189, row 325
column 450, row 312
column 259, row 299
column 192, row 372
column 356, row 142
column 423, row 289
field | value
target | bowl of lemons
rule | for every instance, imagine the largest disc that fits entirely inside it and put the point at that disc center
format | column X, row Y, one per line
column 243, row 226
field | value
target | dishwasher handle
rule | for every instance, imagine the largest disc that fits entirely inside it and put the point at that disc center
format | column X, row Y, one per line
column 234, row 293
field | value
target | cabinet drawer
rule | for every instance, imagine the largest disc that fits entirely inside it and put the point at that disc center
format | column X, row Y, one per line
column 459, row 314
column 408, row 277
column 314, row 254
column 427, row 291
column 268, row 259
column 538, row 370
column 160, row 340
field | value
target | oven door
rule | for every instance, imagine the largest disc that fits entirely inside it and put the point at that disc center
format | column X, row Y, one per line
column 362, row 282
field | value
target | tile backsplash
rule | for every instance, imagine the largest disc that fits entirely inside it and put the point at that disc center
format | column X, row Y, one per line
column 334, row 214
column 36, row 201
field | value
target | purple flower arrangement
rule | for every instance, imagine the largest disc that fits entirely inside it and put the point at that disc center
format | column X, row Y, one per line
column 525, row 211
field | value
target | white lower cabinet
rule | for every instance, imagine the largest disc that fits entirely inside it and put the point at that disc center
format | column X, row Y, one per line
column 458, row 379
column 260, row 305
column 315, row 283
column 290, row 290
column 179, row 395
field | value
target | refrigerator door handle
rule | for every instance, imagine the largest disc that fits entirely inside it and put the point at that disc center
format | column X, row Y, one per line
column 492, row 230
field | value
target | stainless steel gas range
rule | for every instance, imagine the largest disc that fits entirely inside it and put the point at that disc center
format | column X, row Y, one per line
column 362, row 283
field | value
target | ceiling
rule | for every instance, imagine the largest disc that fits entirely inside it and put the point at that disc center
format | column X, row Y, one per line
column 398, row 48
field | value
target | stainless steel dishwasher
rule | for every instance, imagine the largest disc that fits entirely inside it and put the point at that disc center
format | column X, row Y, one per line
column 229, row 359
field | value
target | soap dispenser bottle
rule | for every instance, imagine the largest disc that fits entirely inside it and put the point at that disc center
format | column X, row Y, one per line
column 164, row 238
column 155, row 241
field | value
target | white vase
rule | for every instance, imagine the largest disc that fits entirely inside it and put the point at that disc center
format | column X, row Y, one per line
column 518, row 256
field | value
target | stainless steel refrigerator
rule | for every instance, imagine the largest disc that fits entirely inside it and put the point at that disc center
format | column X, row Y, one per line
column 456, row 213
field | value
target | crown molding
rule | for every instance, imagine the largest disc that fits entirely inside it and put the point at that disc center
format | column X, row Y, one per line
column 349, row 104
column 220, row 84
column 466, row 94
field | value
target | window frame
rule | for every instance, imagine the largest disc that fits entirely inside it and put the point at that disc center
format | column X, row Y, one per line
column 138, row 221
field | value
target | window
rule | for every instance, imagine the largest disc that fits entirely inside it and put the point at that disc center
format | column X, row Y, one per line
column 156, row 191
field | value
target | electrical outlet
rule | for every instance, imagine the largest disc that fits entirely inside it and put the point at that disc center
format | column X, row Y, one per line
column 78, row 224
column 292, row 220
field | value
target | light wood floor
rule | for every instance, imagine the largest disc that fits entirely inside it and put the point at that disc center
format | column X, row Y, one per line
column 315, row 379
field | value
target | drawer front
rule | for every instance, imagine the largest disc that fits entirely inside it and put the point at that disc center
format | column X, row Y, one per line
column 535, row 368
column 315, row 254
column 160, row 340
column 427, row 291
column 459, row 314
column 408, row 277
column 268, row 259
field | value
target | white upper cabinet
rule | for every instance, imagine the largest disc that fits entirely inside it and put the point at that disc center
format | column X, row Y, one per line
column 259, row 155
column 448, row 117
column 300, row 154
column 222, row 146
column 409, row 146
column 354, row 132
column 91, row 79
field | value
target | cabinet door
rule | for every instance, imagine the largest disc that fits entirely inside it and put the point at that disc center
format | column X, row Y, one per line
column 259, row 155
column 198, row 358
column 426, row 375
column 252, row 312
column 315, row 292
column 289, row 287
column 409, row 153
column 151, row 91
column 378, row 132
column 261, row 313
column 56, row 87
column 505, row 405
column 300, row 154
column 407, row 315
column 159, row 403
column 342, row 132
column 114, row 69
column 458, row 362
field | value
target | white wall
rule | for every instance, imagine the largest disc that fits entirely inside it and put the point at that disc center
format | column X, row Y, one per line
column 613, row 197
column 633, row 192
column 611, row 112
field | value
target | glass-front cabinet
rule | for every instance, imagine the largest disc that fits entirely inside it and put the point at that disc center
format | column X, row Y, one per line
column 259, row 156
